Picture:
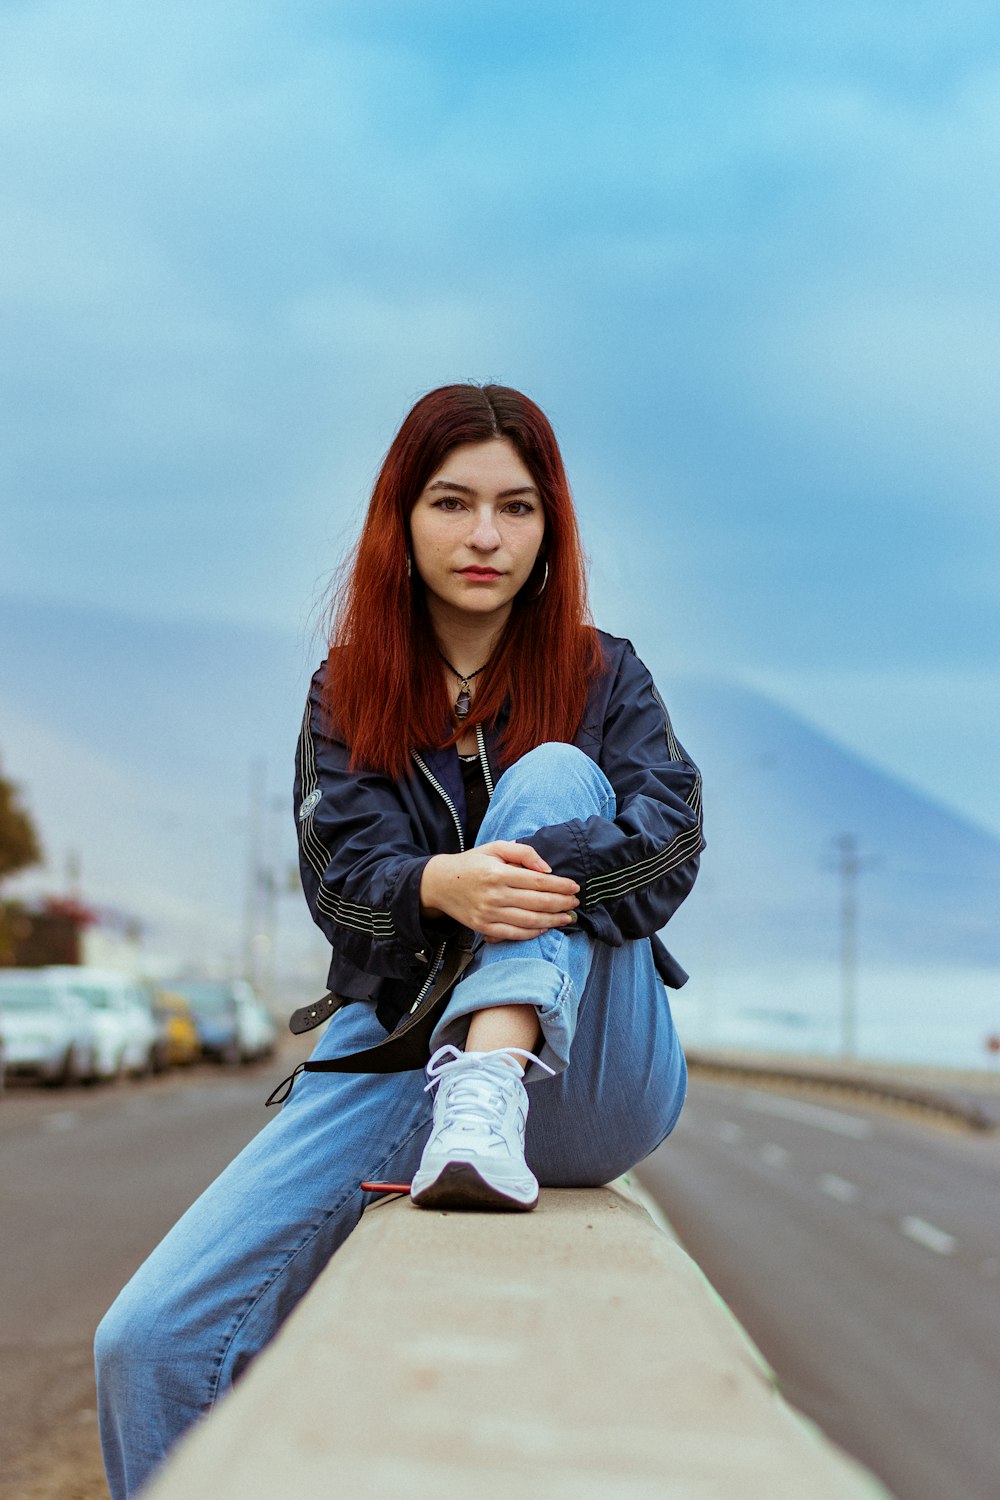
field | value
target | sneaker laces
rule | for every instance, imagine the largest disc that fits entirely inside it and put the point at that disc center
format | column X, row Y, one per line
column 477, row 1091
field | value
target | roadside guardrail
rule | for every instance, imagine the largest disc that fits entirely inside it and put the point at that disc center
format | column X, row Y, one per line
column 914, row 1090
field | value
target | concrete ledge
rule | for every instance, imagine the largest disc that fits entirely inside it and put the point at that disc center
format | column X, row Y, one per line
column 576, row 1353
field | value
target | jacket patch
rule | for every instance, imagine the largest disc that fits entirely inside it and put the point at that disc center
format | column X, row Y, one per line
column 308, row 803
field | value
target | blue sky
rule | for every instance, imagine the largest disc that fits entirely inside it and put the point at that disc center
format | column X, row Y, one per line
column 744, row 255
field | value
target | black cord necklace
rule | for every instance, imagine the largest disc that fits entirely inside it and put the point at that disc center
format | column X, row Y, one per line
column 463, row 700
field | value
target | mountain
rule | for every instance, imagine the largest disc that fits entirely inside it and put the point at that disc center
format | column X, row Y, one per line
column 134, row 741
column 780, row 795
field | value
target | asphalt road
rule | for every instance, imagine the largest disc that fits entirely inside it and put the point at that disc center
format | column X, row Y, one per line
column 90, row 1180
column 862, row 1254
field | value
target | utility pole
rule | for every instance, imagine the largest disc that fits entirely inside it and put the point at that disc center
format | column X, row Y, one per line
column 271, row 885
column 849, row 866
column 258, row 772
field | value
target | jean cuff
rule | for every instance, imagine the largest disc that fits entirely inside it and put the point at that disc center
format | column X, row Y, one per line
column 516, row 981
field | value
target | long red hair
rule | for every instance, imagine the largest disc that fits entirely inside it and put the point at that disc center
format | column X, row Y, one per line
column 384, row 688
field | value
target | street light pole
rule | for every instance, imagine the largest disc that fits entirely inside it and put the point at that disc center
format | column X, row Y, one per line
column 258, row 773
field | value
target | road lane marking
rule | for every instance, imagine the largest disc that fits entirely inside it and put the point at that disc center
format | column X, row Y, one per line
column 730, row 1132
column 927, row 1235
column 63, row 1119
column 838, row 1187
column 775, row 1156
column 809, row 1114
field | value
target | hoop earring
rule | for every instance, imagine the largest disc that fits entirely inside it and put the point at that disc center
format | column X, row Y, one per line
column 539, row 592
column 409, row 566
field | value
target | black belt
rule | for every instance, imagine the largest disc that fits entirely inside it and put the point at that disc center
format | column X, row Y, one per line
column 404, row 1049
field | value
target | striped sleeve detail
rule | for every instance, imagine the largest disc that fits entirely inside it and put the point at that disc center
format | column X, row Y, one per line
column 672, row 746
column 614, row 884
column 617, row 883
column 364, row 919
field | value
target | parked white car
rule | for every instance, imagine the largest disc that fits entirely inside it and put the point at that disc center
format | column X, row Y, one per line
column 46, row 1027
column 121, row 1017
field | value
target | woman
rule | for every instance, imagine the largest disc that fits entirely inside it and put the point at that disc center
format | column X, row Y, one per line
column 478, row 768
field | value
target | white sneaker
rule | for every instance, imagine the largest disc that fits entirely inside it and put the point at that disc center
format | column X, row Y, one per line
column 475, row 1155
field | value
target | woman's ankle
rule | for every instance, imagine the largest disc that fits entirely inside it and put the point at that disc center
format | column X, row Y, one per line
column 502, row 1026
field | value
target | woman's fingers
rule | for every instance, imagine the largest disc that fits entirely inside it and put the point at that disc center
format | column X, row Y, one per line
column 483, row 889
column 528, row 899
column 524, row 919
column 524, row 864
column 505, row 934
column 517, row 854
column 528, row 880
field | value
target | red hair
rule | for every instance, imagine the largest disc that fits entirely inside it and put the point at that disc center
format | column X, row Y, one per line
column 384, row 689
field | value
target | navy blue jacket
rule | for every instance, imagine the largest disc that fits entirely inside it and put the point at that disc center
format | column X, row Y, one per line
column 364, row 838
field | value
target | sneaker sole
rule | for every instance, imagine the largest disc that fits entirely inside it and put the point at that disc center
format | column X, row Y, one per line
column 459, row 1185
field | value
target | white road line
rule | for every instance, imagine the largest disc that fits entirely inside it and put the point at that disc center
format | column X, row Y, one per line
column 809, row 1114
column 64, row 1119
column 729, row 1131
column 775, row 1156
column 927, row 1235
column 838, row 1187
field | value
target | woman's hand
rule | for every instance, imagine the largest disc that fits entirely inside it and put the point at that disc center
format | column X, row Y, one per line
column 504, row 890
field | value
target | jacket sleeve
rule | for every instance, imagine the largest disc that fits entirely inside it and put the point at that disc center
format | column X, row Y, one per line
column 359, row 860
column 634, row 871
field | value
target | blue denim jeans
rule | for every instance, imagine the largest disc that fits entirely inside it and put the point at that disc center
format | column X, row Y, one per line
column 219, row 1285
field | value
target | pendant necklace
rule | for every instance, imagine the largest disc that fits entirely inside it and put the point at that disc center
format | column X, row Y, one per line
column 463, row 700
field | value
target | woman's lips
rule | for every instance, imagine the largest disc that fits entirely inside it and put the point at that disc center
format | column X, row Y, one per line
column 481, row 575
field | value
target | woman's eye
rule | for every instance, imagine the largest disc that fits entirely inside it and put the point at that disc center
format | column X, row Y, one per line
column 448, row 502
column 520, row 508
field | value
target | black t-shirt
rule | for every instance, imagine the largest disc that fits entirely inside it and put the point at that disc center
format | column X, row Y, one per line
column 476, row 796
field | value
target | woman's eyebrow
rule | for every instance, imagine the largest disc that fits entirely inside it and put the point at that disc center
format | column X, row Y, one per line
column 449, row 484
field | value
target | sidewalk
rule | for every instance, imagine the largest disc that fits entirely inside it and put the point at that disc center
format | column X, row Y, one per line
column 575, row 1353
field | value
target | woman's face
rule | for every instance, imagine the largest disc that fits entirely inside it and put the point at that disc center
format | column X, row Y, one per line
column 476, row 529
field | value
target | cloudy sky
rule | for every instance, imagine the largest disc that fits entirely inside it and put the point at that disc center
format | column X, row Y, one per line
column 745, row 255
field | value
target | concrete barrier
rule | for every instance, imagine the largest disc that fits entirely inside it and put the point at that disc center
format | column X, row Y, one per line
column 576, row 1353
column 965, row 1099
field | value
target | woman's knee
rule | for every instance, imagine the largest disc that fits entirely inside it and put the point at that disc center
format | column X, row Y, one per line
column 563, row 775
column 142, row 1330
column 120, row 1342
column 555, row 759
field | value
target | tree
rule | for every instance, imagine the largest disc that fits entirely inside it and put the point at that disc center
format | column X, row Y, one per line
column 19, row 848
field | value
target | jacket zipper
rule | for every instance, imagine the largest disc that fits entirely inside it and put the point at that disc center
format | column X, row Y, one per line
column 436, row 963
column 443, row 794
column 431, row 976
column 484, row 760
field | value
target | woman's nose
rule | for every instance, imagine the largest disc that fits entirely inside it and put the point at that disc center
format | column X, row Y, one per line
column 485, row 535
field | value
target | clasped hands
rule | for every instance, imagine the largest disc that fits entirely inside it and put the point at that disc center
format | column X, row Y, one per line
column 503, row 890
